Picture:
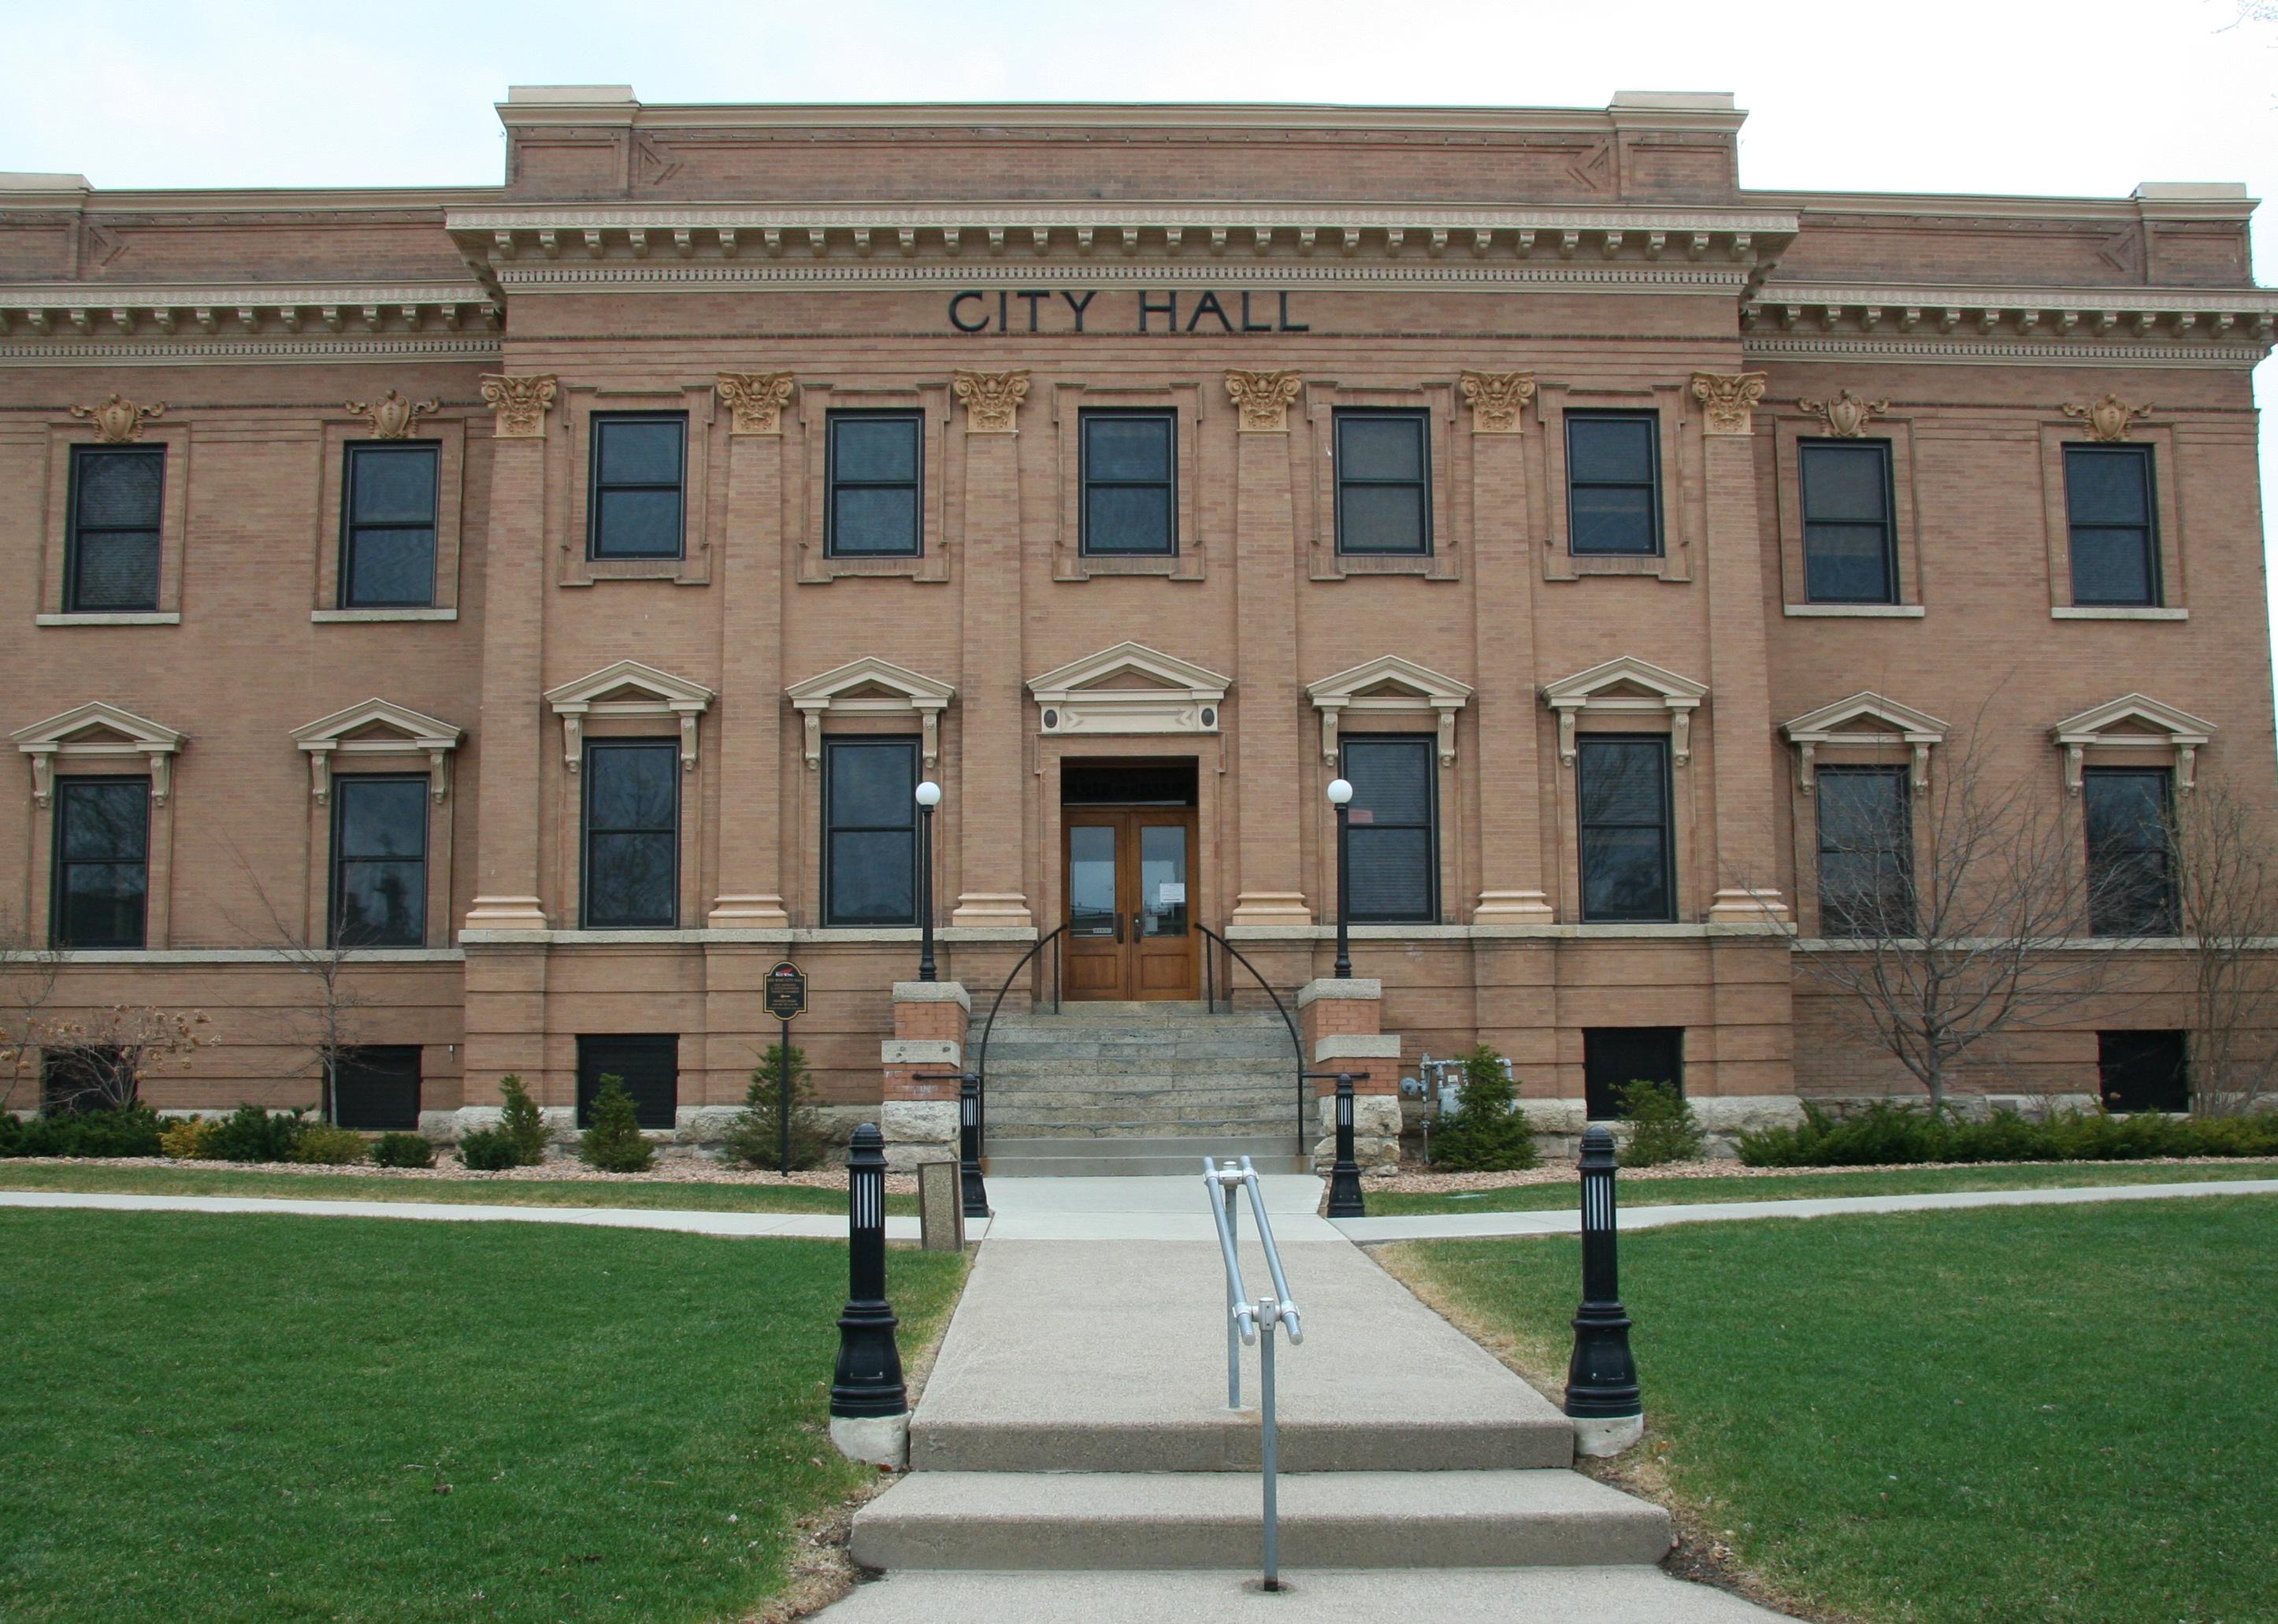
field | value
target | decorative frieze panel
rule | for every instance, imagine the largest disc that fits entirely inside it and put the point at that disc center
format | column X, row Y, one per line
column 2201, row 326
column 118, row 421
column 54, row 322
column 2107, row 420
column 392, row 416
column 1129, row 689
column 1846, row 415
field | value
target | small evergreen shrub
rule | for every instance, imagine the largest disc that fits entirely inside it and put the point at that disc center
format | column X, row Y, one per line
column 1488, row 1132
column 1887, row 1133
column 522, row 1122
column 251, row 1134
column 1663, row 1127
column 488, row 1150
column 132, row 1132
column 402, row 1150
column 614, row 1143
column 322, row 1145
column 755, row 1138
column 190, row 1139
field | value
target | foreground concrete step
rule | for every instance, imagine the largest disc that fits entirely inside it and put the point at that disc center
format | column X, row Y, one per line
column 1157, row 1520
column 1626, row 1595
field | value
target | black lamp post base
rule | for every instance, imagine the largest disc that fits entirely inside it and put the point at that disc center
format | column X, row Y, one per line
column 975, row 1192
column 869, row 1378
column 1345, row 1198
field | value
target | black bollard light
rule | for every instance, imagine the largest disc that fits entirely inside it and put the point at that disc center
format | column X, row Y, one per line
column 1345, row 1200
column 968, row 1146
column 869, row 1380
column 1601, row 1381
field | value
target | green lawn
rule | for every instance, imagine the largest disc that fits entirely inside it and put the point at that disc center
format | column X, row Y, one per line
column 204, row 1178
column 255, row 1419
column 2029, row 1415
column 1796, row 1187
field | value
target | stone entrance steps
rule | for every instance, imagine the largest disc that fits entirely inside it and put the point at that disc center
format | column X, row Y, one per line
column 1122, row 1155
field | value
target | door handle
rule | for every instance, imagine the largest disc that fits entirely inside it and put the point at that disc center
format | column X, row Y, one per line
column 1137, row 933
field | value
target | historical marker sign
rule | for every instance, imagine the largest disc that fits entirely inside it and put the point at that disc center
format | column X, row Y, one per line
column 785, row 994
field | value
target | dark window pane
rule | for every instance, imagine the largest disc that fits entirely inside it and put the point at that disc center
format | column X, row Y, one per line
column 116, row 570
column 1393, row 818
column 1391, row 875
column 629, row 879
column 1127, row 519
column 390, row 569
column 1847, row 563
column 102, row 904
column 872, row 786
column 874, row 520
column 2143, row 1071
column 633, row 787
column 633, row 836
column 1613, row 1057
column 1127, row 449
column 2115, row 544
column 383, row 818
column 2130, row 867
column 2112, row 566
column 379, row 856
column 1609, row 450
column 1613, row 519
column 119, row 490
column 1623, row 789
column 874, row 449
column 104, row 820
column 376, row 1090
column 382, row 904
column 638, row 524
column 102, row 844
column 873, row 877
column 391, row 486
column 647, row 1065
column 637, row 483
column 2108, row 485
column 870, row 832
column 1866, row 851
column 640, row 453
column 1391, row 780
column 1845, row 483
column 1380, row 448
column 1382, row 519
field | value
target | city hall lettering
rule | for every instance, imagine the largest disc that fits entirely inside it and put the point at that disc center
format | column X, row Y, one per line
column 1038, row 309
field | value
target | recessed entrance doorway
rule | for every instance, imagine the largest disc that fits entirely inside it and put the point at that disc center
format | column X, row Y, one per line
column 1129, row 879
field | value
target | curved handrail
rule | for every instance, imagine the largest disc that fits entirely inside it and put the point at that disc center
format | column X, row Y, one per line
column 1280, row 1009
column 980, row 1065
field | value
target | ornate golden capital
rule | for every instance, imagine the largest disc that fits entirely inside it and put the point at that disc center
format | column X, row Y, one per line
column 755, row 400
column 1730, row 397
column 2109, row 419
column 394, row 418
column 992, row 399
column 1263, row 397
column 520, row 403
column 1846, row 414
column 1496, row 400
column 118, row 421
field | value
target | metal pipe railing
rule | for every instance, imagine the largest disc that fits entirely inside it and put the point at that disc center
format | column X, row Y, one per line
column 1254, row 1322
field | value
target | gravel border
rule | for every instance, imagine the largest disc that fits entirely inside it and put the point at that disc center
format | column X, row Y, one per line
column 555, row 1170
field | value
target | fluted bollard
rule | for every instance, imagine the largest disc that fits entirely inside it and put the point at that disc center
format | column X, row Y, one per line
column 968, row 1146
column 869, row 1408
column 1602, row 1381
column 1345, row 1200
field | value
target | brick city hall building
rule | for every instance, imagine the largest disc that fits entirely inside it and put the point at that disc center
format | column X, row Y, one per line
column 551, row 595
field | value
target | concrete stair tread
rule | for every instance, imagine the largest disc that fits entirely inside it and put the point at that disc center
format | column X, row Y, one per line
column 1629, row 1593
column 1153, row 1519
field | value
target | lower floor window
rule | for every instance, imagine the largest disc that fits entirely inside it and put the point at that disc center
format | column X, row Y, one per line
column 376, row 1088
column 2143, row 1071
column 648, row 1065
column 86, row 1078
column 1613, row 1057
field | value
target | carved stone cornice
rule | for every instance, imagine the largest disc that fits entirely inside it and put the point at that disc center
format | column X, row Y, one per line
column 60, row 320
column 991, row 400
column 1730, row 399
column 2107, row 420
column 1846, row 414
column 392, row 417
column 755, row 400
column 118, row 421
column 1498, row 400
column 520, row 403
column 2058, row 325
column 1264, row 398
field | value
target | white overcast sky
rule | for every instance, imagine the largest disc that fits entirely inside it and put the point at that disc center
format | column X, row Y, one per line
column 2035, row 96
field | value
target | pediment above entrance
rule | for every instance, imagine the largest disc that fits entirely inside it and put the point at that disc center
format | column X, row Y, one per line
column 1129, row 688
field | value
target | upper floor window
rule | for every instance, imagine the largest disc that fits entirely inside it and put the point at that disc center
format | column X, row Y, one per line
column 1613, row 482
column 380, row 862
column 870, row 823
column 1866, row 851
column 1383, row 464
column 1628, row 854
column 639, row 460
column 633, row 836
column 2132, row 877
column 112, row 552
column 103, row 862
column 387, row 523
column 875, row 463
column 2116, row 543
column 1849, row 554
column 1129, row 483
column 1393, row 834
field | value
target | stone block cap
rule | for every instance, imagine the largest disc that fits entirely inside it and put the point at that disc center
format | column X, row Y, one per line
column 576, row 94
column 932, row 992
column 2169, row 190
column 1358, row 1046
column 1360, row 988
column 1689, row 101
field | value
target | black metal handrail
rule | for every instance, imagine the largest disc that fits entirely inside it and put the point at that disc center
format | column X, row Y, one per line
column 1280, row 1009
column 981, row 1063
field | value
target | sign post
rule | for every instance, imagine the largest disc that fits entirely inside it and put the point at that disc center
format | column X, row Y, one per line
column 784, row 995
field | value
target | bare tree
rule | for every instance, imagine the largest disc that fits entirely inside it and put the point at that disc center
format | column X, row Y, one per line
column 28, row 973
column 2227, row 900
column 101, row 1058
column 327, row 1026
column 1957, row 914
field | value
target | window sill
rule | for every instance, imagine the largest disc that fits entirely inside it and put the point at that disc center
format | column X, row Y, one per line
column 1384, row 564
column 234, row 956
column 1853, row 611
column 144, row 617
column 948, row 935
column 2070, row 612
column 1127, row 564
column 355, row 617
column 828, row 568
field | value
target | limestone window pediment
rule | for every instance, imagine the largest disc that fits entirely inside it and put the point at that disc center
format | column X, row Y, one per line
column 378, row 728
column 1626, row 684
column 1129, row 688
column 1388, row 682
column 98, row 729
column 872, row 687
column 628, row 688
column 1865, row 720
column 2137, row 722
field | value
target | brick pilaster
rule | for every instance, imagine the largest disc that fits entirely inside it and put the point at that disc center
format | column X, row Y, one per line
column 1269, row 777
column 1505, row 772
column 751, row 683
column 509, row 738
column 1747, row 876
column 988, row 799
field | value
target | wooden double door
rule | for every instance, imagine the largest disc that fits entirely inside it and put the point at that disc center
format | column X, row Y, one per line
column 1129, row 885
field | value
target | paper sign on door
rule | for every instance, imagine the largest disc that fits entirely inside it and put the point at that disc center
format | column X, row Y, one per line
column 1171, row 894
